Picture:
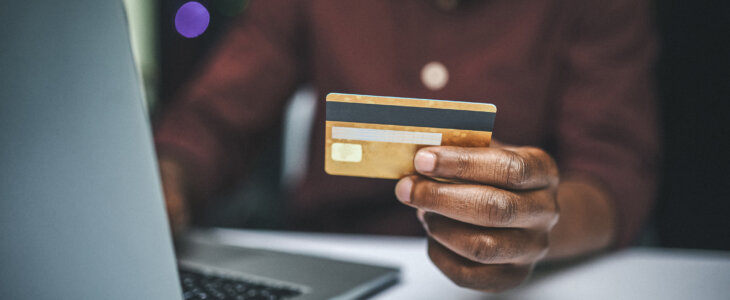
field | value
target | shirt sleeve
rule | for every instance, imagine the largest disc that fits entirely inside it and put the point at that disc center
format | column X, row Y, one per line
column 241, row 90
column 607, row 121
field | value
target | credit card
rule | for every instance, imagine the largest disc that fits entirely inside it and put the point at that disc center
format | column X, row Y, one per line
column 377, row 137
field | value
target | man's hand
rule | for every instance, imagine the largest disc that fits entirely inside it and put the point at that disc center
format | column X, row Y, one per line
column 173, row 185
column 490, row 226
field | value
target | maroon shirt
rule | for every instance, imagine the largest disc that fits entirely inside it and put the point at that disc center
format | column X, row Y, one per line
column 572, row 77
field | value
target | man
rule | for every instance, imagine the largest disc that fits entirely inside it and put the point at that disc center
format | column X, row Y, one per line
column 571, row 80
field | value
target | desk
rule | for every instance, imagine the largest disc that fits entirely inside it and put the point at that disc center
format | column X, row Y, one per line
column 635, row 273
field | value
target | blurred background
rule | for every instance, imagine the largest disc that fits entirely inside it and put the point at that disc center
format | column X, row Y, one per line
column 692, row 79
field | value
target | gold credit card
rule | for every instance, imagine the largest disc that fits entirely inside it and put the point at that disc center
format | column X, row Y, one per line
column 373, row 136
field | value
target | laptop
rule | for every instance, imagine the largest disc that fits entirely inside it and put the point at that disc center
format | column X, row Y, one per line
column 81, row 208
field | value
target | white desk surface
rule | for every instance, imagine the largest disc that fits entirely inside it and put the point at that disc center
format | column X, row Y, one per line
column 635, row 273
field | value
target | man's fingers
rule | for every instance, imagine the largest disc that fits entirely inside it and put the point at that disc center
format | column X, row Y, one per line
column 486, row 245
column 479, row 204
column 509, row 168
column 469, row 274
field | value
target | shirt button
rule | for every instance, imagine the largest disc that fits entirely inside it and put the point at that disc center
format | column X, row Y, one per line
column 447, row 5
column 434, row 75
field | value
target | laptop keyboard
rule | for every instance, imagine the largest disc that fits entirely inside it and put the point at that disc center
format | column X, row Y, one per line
column 207, row 286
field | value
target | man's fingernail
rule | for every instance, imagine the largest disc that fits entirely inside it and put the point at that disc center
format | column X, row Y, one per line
column 425, row 161
column 403, row 190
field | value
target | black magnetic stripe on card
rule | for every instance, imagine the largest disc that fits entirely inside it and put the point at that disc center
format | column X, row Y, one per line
column 410, row 116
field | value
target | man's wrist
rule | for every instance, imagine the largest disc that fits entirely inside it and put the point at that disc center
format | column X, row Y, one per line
column 176, row 193
column 587, row 219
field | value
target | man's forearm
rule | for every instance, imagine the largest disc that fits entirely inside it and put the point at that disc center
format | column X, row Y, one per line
column 586, row 221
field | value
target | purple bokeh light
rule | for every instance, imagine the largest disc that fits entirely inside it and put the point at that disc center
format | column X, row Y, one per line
column 191, row 19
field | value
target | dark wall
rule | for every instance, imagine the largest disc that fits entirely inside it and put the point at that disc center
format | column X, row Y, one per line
column 181, row 57
column 693, row 81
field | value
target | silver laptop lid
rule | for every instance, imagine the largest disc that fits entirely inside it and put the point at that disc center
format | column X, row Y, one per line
column 81, row 209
